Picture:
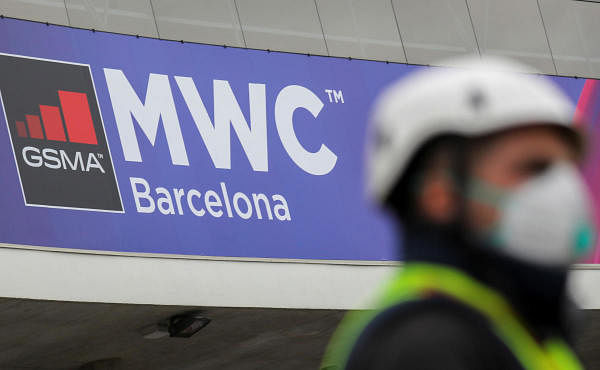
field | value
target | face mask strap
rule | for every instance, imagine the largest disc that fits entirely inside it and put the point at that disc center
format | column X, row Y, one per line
column 468, row 188
column 485, row 193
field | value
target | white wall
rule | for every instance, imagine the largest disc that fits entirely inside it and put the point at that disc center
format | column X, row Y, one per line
column 28, row 273
column 556, row 36
column 85, row 277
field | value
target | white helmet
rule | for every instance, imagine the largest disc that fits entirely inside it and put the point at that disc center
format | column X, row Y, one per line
column 477, row 97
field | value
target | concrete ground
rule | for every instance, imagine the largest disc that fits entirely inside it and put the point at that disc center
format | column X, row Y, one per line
column 588, row 343
column 66, row 335
column 46, row 335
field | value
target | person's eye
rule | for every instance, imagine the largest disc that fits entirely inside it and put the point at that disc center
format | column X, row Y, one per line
column 535, row 167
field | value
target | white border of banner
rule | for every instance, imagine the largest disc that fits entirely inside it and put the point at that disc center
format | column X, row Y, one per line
column 207, row 258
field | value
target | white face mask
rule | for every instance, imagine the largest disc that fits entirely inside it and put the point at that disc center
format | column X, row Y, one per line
column 547, row 220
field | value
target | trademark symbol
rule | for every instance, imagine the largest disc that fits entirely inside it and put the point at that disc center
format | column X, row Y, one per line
column 335, row 96
column 100, row 155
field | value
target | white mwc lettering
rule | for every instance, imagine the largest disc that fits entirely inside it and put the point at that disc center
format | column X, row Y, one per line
column 227, row 109
column 252, row 133
column 59, row 159
column 158, row 104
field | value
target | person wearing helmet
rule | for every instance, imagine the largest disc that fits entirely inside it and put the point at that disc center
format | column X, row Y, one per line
column 479, row 164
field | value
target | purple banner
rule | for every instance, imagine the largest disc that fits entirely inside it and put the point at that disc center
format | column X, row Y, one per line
column 125, row 144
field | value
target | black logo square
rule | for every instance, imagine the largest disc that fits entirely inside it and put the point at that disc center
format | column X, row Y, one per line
column 57, row 134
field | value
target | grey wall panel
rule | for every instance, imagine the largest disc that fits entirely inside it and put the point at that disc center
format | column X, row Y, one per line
column 512, row 28
column 288, row 25
column 132, row 16
column 573, row 30
column 562, row 40
column 432, row 30
column 208, row 21
column 361, row 28
column 52, row 11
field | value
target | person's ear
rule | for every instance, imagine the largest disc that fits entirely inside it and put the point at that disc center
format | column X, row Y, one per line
column 437, row 200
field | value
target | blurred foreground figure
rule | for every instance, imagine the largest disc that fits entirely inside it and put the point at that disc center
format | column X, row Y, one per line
column 480, row 165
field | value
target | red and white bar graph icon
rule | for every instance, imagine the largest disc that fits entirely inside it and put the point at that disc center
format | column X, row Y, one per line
column 77, row 115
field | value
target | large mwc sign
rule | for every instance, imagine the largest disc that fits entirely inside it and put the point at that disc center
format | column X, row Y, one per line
column 116, row 144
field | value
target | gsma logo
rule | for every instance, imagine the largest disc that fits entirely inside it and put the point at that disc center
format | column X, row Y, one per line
column 57, row 134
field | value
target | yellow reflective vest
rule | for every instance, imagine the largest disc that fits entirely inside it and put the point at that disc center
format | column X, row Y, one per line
column 417, row 281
